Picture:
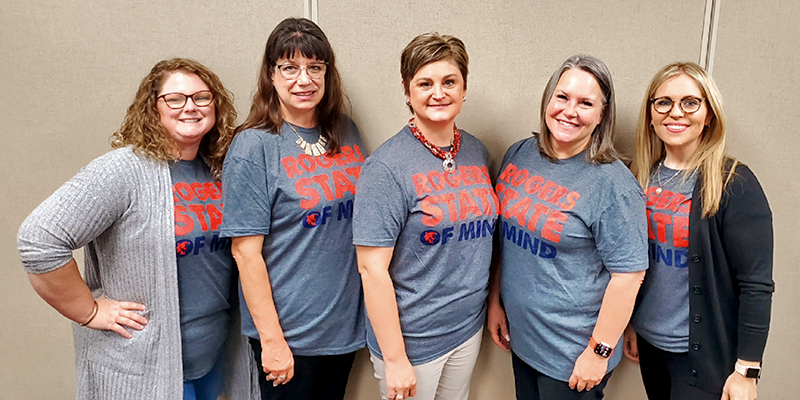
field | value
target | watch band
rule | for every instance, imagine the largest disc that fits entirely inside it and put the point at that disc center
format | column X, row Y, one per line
column 600, row 348
column 748, row 372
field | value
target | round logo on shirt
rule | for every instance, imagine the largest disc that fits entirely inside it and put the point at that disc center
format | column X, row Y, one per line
column 184, row 247
column 430, row 237
column 311, row 219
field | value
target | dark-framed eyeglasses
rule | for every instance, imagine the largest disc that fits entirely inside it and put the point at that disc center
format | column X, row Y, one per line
column 688, row 105
column 291, row 71
column 176, row 100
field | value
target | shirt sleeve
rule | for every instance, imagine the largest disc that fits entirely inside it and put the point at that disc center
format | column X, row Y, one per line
column 748, row 240
column 621, row 230
column 380, row 209
column 247, row 204
column 77, row 213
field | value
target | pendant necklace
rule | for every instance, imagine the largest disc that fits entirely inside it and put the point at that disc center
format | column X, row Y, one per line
column 448, row 157
column 312, row 149
column 660, row 187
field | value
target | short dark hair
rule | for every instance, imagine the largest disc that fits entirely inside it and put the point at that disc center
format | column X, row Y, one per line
column 429, row 48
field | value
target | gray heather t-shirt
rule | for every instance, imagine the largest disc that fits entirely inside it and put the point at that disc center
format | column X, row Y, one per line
column 303, row 205
column 440, row 225
column 565, row 226
column 205, row 266
column 662, row 314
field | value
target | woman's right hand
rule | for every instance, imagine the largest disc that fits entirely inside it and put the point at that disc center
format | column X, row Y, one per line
column 630, row 345
column 497, row 323
column 277, row 360
column 400, row 379
column 115, row 316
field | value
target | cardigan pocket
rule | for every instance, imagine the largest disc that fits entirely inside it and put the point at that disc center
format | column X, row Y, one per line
column 128, row 356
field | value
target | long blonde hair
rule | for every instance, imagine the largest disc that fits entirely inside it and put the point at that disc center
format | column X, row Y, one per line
column 716, row 167
column 142, row 128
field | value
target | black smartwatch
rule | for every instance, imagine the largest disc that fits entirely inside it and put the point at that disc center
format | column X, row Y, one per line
column 600, row 348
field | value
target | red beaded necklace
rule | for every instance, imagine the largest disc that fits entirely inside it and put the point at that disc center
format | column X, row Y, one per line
column 448, row 157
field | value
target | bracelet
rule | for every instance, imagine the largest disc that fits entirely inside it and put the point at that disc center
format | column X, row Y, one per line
column 94, row 314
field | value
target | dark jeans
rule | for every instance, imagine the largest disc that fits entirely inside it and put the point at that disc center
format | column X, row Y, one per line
column 533, row 385
column 315, row 377
column 666, row 375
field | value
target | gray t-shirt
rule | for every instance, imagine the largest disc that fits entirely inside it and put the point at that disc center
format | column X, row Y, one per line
column 303, row 205
column 565, row 226
column 440, row 225
column 205, row 266
column 662, row 314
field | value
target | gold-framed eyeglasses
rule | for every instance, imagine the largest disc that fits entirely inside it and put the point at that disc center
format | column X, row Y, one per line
column 291, row 72
column 689, row 105
column 176, row 100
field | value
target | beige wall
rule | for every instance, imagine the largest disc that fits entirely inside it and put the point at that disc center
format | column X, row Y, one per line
column 70, row 69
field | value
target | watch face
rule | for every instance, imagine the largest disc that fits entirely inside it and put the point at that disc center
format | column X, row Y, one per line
column 603, row 350
column 753, row 372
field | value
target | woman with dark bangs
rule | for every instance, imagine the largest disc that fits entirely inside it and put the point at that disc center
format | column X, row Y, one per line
column 289, row 183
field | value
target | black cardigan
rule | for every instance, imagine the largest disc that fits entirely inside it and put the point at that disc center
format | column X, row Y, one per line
column 730, row 281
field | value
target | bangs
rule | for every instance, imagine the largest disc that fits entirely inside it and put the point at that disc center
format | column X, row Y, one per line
column 307, row 45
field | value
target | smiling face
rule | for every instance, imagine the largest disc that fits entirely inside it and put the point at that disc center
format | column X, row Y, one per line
column 680, row 131
column 299, row 97
column 573, row 112
column 436, row 93
column 185, row 126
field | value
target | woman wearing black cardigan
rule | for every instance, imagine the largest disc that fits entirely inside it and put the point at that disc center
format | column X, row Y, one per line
column 701, row 322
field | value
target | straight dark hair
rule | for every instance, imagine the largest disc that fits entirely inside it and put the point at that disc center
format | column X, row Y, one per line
column 291, row 36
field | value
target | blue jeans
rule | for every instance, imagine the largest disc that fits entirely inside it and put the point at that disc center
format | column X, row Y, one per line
column 206, row 387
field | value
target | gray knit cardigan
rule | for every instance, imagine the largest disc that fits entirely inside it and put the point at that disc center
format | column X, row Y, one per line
column 120, row 209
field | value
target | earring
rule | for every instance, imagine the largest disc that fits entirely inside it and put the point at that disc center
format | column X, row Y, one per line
column 408, row 102
column 465, row 98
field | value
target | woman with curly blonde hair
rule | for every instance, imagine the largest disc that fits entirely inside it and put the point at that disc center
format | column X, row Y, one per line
column 153, row 317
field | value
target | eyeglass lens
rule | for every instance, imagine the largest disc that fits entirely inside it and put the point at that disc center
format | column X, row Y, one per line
column 202, row 98
column 688, row 105
column 292, row 72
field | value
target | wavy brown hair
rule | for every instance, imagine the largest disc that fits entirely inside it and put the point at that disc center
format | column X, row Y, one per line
column 292, row 36
column 710, row 157
column 142, row 128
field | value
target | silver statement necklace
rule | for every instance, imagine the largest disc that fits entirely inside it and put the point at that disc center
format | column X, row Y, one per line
column 660, row 187
column 312, row 149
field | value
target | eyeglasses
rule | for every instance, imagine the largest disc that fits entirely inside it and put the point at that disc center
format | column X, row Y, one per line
column 176, row 101
column 291, row 72
column 688, row 105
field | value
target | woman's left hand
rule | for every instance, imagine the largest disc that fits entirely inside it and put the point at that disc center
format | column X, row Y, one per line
column 117, row 316
column 737, row 387
column 589, row 371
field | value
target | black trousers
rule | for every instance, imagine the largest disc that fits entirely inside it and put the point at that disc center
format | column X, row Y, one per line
column 666, row 375
column 533, row 385
column 315, row 377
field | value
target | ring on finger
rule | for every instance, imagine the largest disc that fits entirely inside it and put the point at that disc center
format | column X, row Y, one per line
column 399, row 397
column 281, row 377
column 270, row 377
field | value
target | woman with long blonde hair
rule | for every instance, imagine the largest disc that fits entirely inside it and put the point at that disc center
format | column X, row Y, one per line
column 702, row 318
